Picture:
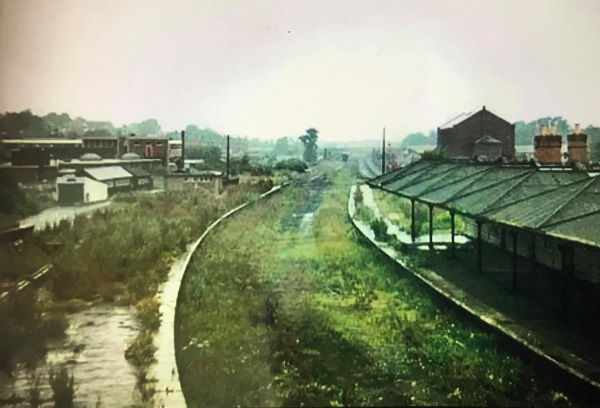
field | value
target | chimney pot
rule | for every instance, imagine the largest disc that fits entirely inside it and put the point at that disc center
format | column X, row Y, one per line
column 577, row 129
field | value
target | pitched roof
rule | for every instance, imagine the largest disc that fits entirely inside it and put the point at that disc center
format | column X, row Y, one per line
column 565, row 204
column 107, row 173
column 457, row 119
column 487, row 139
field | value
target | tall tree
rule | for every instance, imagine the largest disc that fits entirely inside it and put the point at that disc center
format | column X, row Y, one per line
column 309, row 140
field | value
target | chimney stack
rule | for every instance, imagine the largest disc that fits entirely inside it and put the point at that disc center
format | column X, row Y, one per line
column 577, row 146
column 547, row 145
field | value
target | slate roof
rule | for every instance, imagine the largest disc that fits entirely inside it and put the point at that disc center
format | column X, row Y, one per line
column 457, row 119
column 107, row 173
column 564, row 204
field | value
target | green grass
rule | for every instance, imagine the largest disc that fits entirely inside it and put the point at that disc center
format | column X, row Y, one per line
column 267, row 317
column 397, row 210
column 118, row 255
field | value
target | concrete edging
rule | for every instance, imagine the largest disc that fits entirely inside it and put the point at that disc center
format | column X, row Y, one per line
column 165, row 370
column 490, row 317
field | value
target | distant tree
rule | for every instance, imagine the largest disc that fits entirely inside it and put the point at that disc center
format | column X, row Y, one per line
column 415, row 139
column 309, row 140
column 432, row 137
column 296, row 165
column 593, row 133
column 57, row 123
column 210, row 154
column 525, row 131
column 23, row 124
column 148, row 127
column 97, row 133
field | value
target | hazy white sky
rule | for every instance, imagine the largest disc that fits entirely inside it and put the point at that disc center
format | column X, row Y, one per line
column 275, row 68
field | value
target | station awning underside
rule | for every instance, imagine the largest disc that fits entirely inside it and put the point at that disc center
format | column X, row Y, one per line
column 562, row 204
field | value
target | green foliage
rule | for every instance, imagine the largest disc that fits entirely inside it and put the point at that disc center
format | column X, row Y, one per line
column 140, row 352
column 415, row 139
column 34, row 397
column 287, row 146
column 309, row 140
column 63, row 387
column 524, row 132
column 25, row 329
column 146, row 127
column 379, row 228
column 431, row 155
column 148, row 314
column 358, row 196
column 12, row 198
column 296, row 165
column 210, row 154
column 289, row 320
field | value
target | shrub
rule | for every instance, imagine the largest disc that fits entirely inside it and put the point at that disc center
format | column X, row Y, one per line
column 379, row 227
column 63, row 387
column 140, row 352
column 358, row 195
column 148, row 314
column 296, row 165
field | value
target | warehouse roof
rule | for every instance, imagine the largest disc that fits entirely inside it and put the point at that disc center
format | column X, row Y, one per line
column 565, row 204
column 107, row 173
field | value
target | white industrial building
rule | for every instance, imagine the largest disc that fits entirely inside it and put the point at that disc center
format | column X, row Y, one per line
column 72, row 190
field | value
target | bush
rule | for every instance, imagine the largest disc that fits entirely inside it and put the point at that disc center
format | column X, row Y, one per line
column 63, row 387
column 140, row 352
column 148, row 314
column 296, row 165
column 379, row 227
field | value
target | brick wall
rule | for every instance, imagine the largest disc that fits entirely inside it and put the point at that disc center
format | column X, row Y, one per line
column 460, row 140
column 547, row 149
column 577, row 148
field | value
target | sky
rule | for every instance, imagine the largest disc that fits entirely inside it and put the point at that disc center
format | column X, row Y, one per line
column 275, row 68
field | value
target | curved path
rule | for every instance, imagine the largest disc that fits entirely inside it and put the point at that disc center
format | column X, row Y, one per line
column 168, row 388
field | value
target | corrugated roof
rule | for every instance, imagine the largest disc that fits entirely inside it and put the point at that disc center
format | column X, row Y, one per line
column 107, row 173
column 565, row 204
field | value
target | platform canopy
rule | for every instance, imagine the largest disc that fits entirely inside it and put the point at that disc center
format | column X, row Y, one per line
column 558, row 202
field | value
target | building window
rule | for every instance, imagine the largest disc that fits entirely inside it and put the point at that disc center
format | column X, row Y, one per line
column 159, row 143
column 136, row 144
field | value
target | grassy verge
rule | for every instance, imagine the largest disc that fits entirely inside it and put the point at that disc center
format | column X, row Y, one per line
column 270, row 317
column 119, row 255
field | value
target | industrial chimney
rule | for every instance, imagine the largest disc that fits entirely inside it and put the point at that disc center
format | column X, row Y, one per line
column 547, row 145
column 577, row 146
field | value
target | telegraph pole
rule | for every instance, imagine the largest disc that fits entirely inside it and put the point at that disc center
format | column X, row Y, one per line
column 227, row 163
column 383, row 153
column 182, row 150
